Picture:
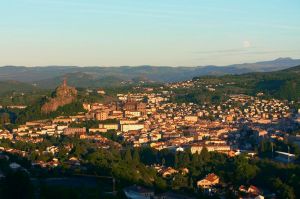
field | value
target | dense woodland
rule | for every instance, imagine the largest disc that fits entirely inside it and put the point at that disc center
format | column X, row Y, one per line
column 283, row 84
column 131, row 166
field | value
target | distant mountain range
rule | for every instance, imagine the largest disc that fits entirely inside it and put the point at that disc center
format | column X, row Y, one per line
column 51, row 76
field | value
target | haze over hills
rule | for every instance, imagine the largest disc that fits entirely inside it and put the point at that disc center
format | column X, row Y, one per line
column 51, row 76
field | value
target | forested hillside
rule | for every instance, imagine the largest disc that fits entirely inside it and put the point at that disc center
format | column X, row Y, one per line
column 8, row 86
column 284, row 84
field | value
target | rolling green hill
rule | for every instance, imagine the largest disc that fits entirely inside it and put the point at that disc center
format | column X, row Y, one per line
column 15, row 86
column 19, row 93
column 284, row 84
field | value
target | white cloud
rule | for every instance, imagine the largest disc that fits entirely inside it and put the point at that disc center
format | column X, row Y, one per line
column 246, row 44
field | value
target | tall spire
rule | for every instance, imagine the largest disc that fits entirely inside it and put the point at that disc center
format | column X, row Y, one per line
column 65, row 81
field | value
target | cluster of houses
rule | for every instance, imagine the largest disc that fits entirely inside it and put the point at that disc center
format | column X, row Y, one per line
column 208, row 184
column 198, row 83
column 150, row 119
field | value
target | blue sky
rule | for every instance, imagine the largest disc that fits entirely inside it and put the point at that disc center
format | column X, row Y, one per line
column 154, row 32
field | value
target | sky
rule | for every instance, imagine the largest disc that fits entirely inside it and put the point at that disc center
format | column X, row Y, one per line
column 147, row 32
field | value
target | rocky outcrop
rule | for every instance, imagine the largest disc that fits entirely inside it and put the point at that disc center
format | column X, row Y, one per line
column 64, row 95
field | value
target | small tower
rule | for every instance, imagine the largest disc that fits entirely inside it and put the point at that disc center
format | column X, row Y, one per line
column 65, row 82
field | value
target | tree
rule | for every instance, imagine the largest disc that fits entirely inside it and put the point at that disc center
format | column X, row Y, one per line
column 128, row 157
column 176, row 161
column 160, row 183
column 243, row 170
column 18, row 185
column 287, row 192
column 163, row 162
column 136, row 157
column 4, row 118
column 148, row 155
column 180, row 181
column 284, row 191
column 204, row 155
